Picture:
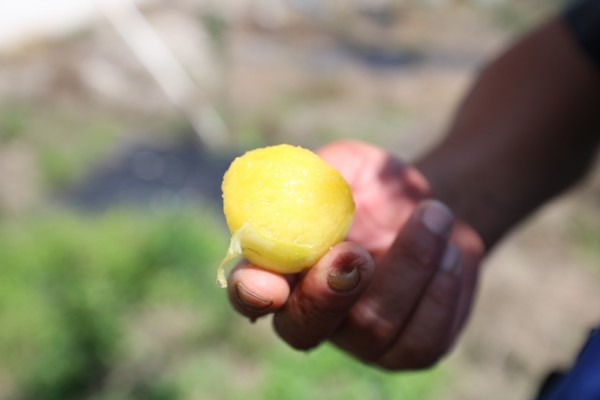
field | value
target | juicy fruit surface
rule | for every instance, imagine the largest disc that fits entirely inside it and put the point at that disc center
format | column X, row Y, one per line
column 285, row 207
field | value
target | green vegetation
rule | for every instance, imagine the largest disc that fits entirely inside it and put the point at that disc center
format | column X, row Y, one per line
column 124, row 306
column 64, row 143
column 584, row 232
column 67, row 140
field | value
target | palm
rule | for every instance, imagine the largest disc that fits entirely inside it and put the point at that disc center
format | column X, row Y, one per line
column 385, row 190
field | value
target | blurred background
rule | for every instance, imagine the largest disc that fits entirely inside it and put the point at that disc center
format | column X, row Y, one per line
column 117, row 121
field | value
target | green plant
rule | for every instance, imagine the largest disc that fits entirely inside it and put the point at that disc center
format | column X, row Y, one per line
column 124, row 306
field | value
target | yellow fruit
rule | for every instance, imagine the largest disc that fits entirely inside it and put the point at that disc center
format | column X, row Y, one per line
column 285, row 207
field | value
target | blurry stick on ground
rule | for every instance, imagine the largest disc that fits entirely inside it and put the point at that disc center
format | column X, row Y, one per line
column 177, row 84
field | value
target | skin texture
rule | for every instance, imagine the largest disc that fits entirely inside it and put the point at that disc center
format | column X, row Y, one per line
column 527, row 130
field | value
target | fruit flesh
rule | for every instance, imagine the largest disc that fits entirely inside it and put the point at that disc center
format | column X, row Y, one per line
column 285, row 207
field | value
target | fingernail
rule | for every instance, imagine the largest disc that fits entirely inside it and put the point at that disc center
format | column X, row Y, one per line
column 436, row 217
column 451, row 259
column 250, row 299
column 343, row 280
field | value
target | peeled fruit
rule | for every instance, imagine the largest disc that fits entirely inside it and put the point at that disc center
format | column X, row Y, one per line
column 285, row 207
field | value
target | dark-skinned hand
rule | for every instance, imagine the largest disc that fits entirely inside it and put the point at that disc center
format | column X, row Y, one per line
column 397, row 292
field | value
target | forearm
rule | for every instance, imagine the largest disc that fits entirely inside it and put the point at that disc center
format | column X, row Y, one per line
column 527, row 130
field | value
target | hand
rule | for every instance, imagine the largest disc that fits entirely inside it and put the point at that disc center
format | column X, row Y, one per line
column 395, row 294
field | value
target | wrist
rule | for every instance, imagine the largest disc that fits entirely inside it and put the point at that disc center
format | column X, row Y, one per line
column 454, row 181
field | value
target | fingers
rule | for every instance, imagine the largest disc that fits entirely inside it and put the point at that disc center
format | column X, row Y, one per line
column 403, row 314
column 401, row 284
column 255, row 292
column 321, row 300
column 427, row 335
column 472, row 249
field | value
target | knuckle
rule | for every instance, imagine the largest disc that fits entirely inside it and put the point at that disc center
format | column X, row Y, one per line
column 423, row 254
column 381, row 329
column 309, row 311
column 301, row 344
column 416, row 351
column 442, row 292
column 305, row 323
column 411, row 359
column 419, row 251
column 423, row 360
column 296, row 338
column 421, row 354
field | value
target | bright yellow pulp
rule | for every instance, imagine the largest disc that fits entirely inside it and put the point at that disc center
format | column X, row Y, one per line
column 285, row 207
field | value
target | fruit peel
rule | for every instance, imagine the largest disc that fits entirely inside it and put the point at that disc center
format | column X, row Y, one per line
column 285, row 207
